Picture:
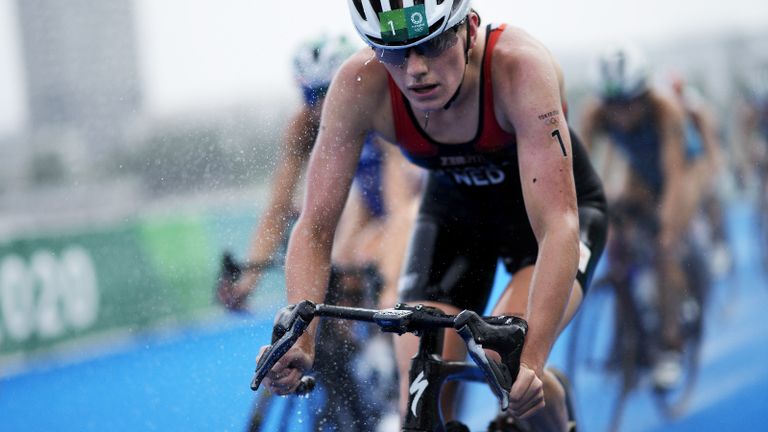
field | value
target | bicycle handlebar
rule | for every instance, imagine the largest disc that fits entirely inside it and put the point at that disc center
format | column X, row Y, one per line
column 503, row 334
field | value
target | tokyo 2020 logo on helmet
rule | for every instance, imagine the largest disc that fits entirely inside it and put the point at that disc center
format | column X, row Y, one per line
column 621, row 73
column 397, row 24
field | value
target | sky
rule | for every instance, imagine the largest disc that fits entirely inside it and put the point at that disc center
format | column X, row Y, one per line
column 197, row 54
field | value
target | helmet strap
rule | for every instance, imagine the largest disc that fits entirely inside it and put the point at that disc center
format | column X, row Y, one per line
column 466, row 62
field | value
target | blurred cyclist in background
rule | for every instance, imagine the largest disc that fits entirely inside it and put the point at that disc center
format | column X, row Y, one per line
column 662, row 184
column 366, row 263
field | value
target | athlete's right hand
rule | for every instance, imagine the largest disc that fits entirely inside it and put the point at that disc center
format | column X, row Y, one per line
column 285, row 376
column 526, row 396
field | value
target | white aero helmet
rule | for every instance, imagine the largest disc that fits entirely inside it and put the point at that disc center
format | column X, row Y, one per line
column 396, row 24
column 621, row 73
column 316, row 61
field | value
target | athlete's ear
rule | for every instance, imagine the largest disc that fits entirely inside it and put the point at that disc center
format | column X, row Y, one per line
column 472, row 27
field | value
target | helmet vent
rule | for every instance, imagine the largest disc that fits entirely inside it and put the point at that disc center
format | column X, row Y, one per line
column 359, row 6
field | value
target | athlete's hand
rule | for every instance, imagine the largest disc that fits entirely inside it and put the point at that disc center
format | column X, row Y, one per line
column 285, row 375
column 227, row 282
column 241, row 289
column 527, row 393
column 230, row 296
column 235, row 283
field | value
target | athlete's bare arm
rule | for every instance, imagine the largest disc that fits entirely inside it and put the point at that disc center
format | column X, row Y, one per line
column 296, row 147
column 529, row 96
column 346, row 119
column 675, row 211
column 610, row 166
column 706, row 121
column 590, row 122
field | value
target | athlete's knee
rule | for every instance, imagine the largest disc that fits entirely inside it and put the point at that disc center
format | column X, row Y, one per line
column 554, row 392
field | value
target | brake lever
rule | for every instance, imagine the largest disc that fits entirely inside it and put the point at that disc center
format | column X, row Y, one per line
column 496, row 374
column 504, row 335
column 289, row 327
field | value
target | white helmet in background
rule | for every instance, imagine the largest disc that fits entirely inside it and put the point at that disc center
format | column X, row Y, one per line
column 316, row 61
column 621, row 73
column 398, row 24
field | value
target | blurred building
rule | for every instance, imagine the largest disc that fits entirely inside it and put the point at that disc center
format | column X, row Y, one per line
column 82, row 75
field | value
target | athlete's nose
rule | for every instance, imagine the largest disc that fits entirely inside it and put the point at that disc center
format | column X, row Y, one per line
column 416, row 64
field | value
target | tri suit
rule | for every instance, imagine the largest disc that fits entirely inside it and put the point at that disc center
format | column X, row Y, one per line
column 369, row 177
column 642, row 148
column 472, row 211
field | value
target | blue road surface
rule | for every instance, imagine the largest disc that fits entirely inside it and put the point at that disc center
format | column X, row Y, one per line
column 197, row 378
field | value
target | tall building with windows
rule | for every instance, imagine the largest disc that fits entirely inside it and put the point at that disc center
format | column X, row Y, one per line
column 81, row 69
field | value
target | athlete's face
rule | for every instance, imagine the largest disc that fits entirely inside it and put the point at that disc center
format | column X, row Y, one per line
column 429, row 80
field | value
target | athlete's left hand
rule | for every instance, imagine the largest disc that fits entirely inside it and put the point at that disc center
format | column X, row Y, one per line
column 527, row 394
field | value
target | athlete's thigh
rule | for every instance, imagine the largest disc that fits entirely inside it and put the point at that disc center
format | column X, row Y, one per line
column 514, row 300
column 593, row 227
column 448, row 262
